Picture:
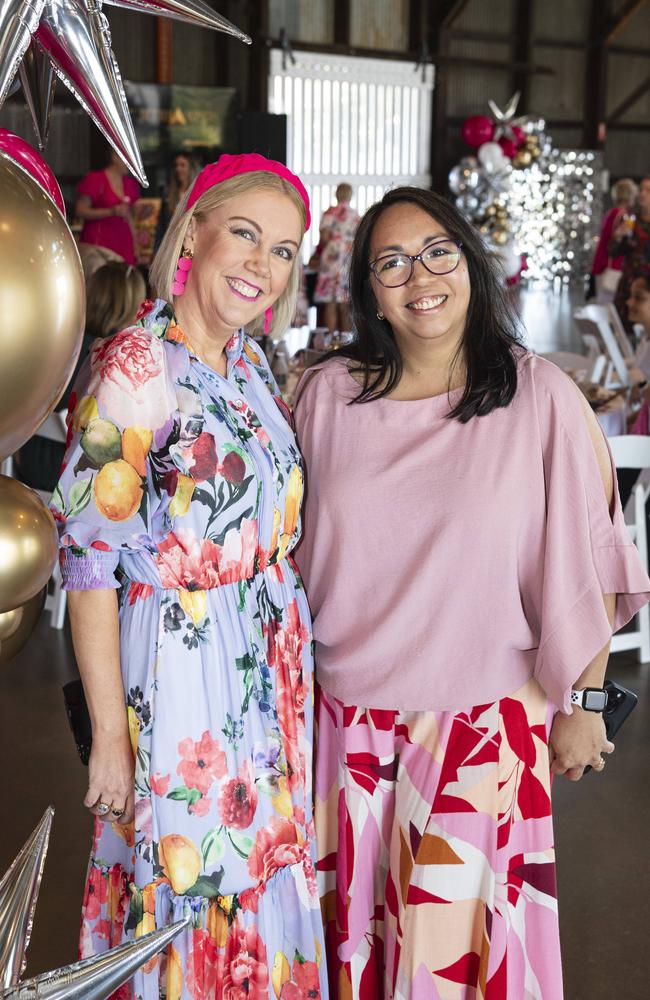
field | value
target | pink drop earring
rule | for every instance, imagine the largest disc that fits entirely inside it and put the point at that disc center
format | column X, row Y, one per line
column 185, row 262
column 268, row 319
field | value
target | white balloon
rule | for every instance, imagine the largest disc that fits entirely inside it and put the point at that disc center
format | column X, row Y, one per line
column 491, row 156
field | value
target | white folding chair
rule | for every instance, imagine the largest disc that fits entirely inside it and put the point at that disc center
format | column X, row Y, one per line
column 593, row 322
column 632, row 451
column 620, row 333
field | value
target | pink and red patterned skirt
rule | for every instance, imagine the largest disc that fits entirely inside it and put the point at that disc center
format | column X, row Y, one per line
column 436, row 863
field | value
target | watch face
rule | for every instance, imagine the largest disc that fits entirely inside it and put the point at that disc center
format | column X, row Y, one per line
column 595, row 701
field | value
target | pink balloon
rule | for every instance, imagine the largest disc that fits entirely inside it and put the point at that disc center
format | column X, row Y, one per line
column 477, row 130
column 519, row 134
column 32, row 161
column 509, row 147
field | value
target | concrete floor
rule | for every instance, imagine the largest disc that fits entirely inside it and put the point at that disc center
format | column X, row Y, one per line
column 601, row 823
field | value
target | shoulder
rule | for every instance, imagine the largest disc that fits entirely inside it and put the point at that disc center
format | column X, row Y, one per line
column 135, row 355
column 91, row 183
column 323, row 384
column 549, row 385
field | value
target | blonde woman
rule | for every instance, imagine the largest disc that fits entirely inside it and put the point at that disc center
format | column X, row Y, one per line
column 184, row 479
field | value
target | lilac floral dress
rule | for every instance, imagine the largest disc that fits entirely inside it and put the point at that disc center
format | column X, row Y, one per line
column 183, row 488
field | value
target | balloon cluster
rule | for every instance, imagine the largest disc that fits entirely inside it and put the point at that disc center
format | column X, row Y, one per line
column 44, row 300
column 525, row 196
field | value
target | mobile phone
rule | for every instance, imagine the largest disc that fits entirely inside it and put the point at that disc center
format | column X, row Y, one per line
column 620, row 702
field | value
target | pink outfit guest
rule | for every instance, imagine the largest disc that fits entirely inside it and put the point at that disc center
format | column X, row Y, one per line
column 602, row 259
column 111, row 230
column 465, row 558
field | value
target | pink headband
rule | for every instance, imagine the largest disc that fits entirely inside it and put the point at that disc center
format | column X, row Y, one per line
column 228, row 166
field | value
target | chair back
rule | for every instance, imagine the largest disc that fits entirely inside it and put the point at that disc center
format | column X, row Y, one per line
column 593, row 320
column 630, row 451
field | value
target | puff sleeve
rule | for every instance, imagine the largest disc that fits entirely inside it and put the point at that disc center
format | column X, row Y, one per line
column 588, row 551
column 105, row 497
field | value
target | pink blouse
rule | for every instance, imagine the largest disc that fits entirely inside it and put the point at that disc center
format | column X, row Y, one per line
column 447, row 563
column 112, row 232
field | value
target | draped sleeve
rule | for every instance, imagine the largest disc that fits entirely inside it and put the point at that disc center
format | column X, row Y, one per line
column 588, row 551
column 105, row 497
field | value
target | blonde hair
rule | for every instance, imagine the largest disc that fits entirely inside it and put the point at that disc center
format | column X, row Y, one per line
column 624, row 190
column 174, row 193
column 113, row 295
column 165, row 262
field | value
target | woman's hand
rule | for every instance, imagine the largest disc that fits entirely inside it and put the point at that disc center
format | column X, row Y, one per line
column 111, row 779
column 123, row 209
column 577, row 740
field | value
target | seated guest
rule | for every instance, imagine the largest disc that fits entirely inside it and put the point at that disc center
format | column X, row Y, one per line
column 605, row 267
column 113, row 296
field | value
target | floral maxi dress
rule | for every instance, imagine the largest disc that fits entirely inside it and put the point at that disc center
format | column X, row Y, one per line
column 183, row 488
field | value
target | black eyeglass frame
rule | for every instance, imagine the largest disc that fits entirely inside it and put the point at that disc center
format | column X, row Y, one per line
column 412, row 258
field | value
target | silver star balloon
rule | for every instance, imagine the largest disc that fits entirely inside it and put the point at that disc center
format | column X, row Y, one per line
column 75, row 36
column 18, row 894
column 39, row 83
column 18, row 22
column 96, row 978
column 506, row 120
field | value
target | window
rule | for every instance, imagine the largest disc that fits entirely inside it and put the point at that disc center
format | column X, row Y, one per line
column 365, row 121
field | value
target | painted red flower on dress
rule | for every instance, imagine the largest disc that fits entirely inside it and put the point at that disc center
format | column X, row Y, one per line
column 127, row 359
column 96, row 894
column 246, row 975
column 275, row 847
column 188, row 562
column 202, row 763
column 238, row 799
column 201, row 458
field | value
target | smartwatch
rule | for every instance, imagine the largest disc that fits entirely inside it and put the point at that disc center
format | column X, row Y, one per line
column 590, row 699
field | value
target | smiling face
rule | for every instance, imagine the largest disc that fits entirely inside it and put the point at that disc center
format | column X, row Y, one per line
column 638, row 303
column 429, row 307
column 244, row 252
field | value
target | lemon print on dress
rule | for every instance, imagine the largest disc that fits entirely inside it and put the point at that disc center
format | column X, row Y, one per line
column 181, row 861
column 118, row 491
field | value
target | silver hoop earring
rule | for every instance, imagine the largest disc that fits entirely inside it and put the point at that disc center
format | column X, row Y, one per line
column 380, row 316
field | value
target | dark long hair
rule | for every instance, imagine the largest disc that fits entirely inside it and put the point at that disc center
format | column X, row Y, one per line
column 491, row 340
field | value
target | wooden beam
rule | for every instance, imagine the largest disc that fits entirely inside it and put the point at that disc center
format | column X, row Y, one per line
column 342, row 22
column 622, row 19
column 416, row 25
column 630, row 100
column 455, row 9
column 595, row 79
column 521, row 49
column 164, row 50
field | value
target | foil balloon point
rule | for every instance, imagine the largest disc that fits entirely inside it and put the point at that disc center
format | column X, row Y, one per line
column 18, row 22
column 76, row 36
column 189, row 11
column 18, row 895
column 43, row 302
column 17, row 625
column 32, row 161
column 39, row 83
column 28, row 544
column 96, row 978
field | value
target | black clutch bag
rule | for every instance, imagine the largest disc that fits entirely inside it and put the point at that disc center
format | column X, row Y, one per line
column 79, row 718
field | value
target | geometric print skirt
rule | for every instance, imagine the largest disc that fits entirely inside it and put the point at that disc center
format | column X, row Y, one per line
column 435, row 840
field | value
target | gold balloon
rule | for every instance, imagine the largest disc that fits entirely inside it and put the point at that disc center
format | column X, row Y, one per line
column 28, row 544
column 522, row 159
column 10, row 622
column 43, row 305
column 499, row 236
column 29, row 615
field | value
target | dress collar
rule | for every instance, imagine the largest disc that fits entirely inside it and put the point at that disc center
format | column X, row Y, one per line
column 160, row 320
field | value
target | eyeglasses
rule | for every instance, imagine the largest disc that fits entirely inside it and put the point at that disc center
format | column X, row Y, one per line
column 395, row 269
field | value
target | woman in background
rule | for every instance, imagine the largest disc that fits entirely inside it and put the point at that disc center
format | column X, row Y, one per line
column 624, row 195
column 113, row 295
column 337, row 228
column 633, row 244
column 105, row 203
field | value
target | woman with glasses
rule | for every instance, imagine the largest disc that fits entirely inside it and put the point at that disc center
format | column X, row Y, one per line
column 466, row 559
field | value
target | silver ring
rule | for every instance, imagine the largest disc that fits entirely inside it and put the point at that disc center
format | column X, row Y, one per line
column 600, row 765
column 103, row 809
column 118, row 812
